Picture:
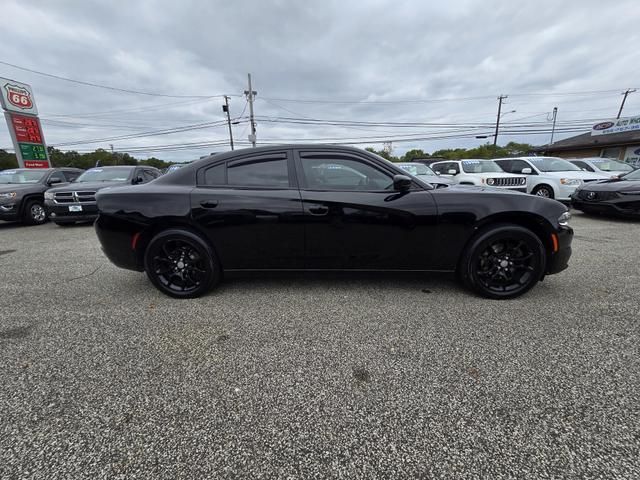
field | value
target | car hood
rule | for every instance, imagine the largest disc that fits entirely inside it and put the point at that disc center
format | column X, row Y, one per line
column 484, row 189
column 579, row 175
column 435, row 179
column 86, row 186
column 614, row 186
column 22, row 187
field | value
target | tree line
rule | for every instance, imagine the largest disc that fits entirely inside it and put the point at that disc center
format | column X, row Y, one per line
column 488, row 151
column 85, row 160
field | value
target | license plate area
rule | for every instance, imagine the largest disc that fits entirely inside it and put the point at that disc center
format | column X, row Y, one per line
column 75, row 208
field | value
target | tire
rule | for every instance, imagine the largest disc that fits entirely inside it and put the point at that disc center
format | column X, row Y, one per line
column 544, row 191
column 504, row 261
column 181, row 264
column 34, row 213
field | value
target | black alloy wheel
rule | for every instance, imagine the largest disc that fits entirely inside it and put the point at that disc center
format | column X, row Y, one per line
column 543, row 191
column 503, row 262
column 34, row 213
column 181, row 264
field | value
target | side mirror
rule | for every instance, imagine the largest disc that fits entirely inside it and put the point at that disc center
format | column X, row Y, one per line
column 401, row 183
column 437, row 173
column 138, row 180
column 526, row 171
column 452, row 172
column 53, row 181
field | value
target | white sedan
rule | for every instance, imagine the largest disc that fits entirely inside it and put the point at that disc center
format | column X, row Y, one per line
column 606, row 166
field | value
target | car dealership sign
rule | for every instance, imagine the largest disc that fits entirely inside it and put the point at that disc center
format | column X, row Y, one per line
column 21, row 114
column 618, row 125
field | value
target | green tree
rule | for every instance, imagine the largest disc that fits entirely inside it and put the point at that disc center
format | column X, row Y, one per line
column 382, row 154
column 413, row 154
column 7, row 160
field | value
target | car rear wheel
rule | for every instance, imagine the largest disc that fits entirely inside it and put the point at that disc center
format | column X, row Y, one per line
column 34, row 213
column 543, row 191
column 181, row 264
column 503, row 262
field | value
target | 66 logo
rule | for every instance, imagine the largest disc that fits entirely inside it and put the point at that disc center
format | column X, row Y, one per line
column 18, row 96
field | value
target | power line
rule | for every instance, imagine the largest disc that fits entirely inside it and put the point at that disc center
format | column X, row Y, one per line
column 106, row 87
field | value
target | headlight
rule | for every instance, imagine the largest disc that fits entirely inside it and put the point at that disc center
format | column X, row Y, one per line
column 563, row 220
column 490, row 181
column 570, row 181
column 48, row 195
column 8, row 195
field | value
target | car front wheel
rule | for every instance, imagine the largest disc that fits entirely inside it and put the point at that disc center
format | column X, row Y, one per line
column 503, row 262
column 543, row 191
column 34, row 213
column 181, row 264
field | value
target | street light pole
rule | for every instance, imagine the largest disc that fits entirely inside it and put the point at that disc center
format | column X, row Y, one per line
column 495, row 136
column 553, row 128
column 225, row 108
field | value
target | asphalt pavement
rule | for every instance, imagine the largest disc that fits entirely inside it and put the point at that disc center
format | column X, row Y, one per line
column 101, row 376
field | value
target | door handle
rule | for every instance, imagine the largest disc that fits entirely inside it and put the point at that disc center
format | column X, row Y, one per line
column 209, row 203
column 319, row 210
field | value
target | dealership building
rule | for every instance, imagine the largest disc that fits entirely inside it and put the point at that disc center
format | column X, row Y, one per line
column 618, row 139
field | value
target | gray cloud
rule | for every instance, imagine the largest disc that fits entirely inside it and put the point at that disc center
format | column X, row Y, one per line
column 368, row 51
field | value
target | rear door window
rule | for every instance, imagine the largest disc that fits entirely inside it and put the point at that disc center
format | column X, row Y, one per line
column 264, row 171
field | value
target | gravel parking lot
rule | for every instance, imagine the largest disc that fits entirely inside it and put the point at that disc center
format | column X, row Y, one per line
column 316, row 377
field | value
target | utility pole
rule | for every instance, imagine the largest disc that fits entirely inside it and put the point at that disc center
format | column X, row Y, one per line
column 225, row 108
column 553, row 128
column 115, row 160
column 250, row 96
column 495, row 136
column 624, row 99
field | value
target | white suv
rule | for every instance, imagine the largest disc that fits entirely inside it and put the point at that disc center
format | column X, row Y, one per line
column 480, row 172
column 550, row 177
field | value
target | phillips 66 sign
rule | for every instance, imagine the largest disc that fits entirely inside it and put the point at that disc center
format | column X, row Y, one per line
column 24, row 126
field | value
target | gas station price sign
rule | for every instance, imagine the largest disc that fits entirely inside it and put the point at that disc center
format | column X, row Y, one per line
column 27, row 128
column 21, row 113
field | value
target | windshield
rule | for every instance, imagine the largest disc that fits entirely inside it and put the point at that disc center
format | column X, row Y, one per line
column 111, row 174
column 635, row 175
column 480, row 166
column 608, row 165
column 552, row 164
column 416, row 169
column 21, row 176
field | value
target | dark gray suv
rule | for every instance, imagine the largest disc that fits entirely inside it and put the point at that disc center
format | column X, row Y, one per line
column 22, row 192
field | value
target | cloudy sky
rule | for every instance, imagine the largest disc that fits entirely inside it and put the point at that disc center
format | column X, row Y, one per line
column 420, row 74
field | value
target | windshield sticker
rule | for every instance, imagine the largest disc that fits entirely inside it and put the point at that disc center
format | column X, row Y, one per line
column 8, row 172
column 470, row 162
column 98, row 170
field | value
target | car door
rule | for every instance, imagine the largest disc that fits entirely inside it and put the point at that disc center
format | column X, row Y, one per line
column 355, row 220
column 251, row 210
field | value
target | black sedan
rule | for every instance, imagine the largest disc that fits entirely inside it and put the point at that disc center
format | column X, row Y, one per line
column 326, row 208
column 618, row 196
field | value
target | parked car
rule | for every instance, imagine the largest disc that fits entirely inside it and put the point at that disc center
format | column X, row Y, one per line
column 22, row 192
column 174, row 167
column 481, row 173
column 424, row 173
column 605, row 166
column 428, row 160
column 618, row 196
column 77, row 202
column 289, row 208
column 549, row 177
